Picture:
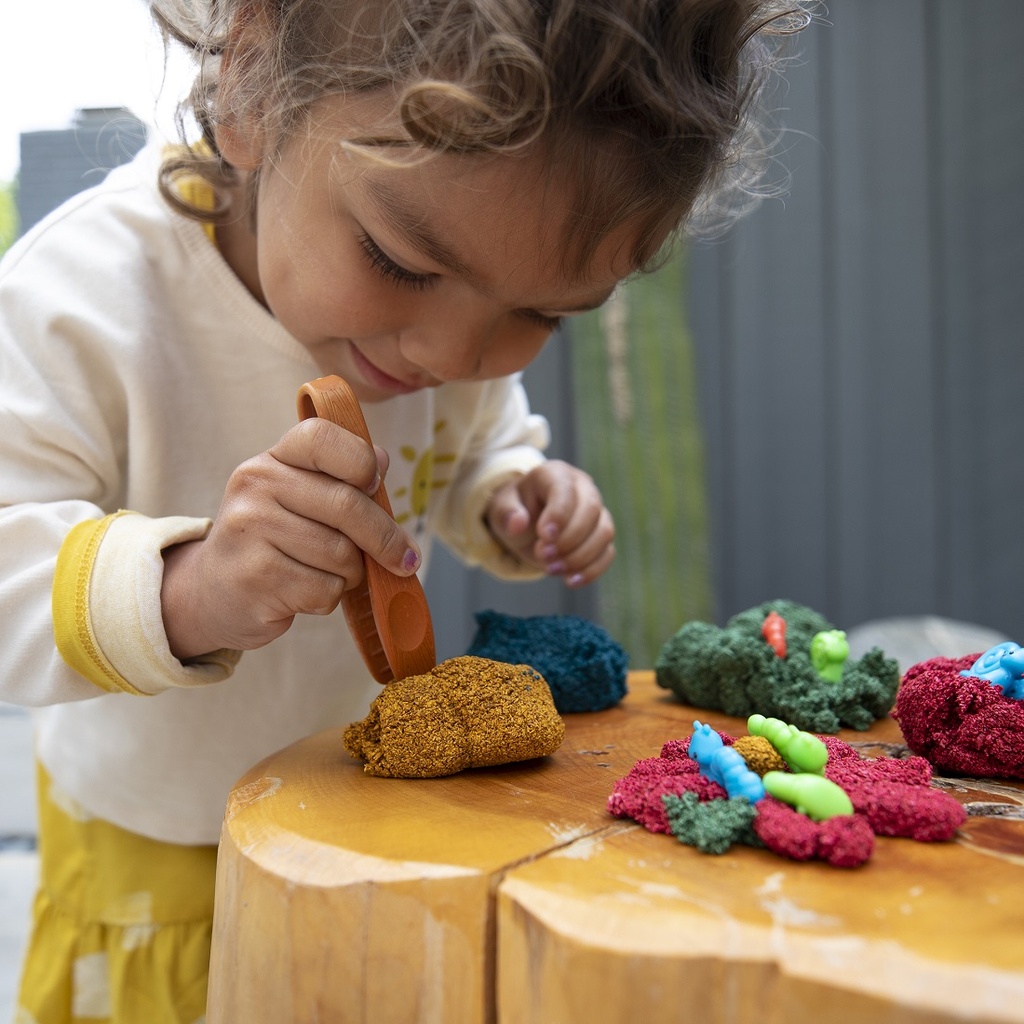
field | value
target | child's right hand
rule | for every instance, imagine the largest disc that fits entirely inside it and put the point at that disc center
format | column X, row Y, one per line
column 288, row 539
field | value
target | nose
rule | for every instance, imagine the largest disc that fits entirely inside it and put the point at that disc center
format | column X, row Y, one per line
column 451, row 345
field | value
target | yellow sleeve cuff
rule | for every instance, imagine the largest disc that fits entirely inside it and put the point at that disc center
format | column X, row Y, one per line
column 108, row 622
column 72, row 629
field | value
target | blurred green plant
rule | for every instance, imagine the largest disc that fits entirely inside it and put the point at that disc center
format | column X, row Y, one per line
column 8, row 215
column 640, row 438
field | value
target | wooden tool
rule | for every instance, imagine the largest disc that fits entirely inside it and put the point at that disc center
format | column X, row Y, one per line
column 388, row 614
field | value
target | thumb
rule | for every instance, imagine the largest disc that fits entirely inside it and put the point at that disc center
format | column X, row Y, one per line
column 508, row 516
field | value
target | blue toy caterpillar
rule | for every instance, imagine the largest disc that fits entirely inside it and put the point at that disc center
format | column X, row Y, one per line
column 1003, row 667
column 723, row 765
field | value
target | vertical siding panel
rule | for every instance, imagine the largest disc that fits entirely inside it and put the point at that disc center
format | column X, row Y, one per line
column 917, row 109
column 879, row 162
column 953, row 56
column 783, row 486
column 709, row 301
column 763, row 373
column 845, row 135
column 993, row 190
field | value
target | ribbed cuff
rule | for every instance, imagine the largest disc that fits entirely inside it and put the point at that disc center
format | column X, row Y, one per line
column 108, row 622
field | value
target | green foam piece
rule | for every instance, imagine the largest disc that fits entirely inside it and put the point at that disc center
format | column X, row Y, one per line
column 711, row 825
column 735, row 670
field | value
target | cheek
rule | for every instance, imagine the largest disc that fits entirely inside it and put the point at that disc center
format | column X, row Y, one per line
column 513, row 350
column 312, row 274
column 314, row 297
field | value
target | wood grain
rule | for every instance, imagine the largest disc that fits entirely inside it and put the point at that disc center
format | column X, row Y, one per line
column 509, row 895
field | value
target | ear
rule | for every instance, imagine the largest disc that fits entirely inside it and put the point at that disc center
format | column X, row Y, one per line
column 239, row 129
column 239, row 141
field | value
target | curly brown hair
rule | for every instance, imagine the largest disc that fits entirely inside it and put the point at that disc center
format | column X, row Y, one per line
column 648, row 108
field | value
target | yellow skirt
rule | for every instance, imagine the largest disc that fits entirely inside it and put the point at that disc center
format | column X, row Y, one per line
column 121, row 924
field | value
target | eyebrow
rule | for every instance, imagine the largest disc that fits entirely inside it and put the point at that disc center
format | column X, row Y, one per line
column 408, row 222
column 405, row 221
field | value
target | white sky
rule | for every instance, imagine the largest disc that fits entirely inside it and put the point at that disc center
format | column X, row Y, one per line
column 59, row 55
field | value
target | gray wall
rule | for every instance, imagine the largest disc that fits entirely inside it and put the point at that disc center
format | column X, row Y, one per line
column 859, row 346
column 56, row 165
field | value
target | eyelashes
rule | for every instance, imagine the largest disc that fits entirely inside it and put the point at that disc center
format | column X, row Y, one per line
column 395, row 273
column 389, row 269
column 549, row 322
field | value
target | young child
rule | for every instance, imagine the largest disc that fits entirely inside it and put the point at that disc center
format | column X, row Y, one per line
column 409, row 194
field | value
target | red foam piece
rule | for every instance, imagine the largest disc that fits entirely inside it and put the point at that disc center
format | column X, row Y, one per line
column 638, row 795
column 845, row 841
column 890, row 797
column 962, row 724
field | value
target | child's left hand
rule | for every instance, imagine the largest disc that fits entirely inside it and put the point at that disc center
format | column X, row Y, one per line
column 554, row 518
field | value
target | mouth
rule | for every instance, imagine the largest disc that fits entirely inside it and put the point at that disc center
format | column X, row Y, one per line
column 377, row 378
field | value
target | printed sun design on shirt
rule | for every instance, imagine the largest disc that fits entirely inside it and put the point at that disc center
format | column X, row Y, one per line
column 417, row 494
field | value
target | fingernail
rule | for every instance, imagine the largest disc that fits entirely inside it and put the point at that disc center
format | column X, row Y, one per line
column 550, row 531
column 575, row 579
column 555, row 567
column 375, row 486
column 411, row 561
column 549, row 551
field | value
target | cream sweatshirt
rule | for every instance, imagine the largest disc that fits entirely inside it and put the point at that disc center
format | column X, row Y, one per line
column 136, row 373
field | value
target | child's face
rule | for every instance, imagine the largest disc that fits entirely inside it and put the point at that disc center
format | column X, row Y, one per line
column 404, row 278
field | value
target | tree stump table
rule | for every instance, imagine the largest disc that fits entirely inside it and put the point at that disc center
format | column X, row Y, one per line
column 510, row 896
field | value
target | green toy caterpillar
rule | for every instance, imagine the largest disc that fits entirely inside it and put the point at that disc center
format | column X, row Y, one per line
column 814, row 795
column 800, row 750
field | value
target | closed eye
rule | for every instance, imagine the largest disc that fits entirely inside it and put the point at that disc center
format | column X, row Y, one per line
column 550, row 322
column 391, row 271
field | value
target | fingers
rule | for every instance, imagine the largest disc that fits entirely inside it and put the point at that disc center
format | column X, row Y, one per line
column 266, row 542
column 331, row 522
column 321, row 446
column 582, row 551
column 555, row 517
column 331, row 473
column 289, row 538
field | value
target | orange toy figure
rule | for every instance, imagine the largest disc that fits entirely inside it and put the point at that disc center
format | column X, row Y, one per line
column 773, row 629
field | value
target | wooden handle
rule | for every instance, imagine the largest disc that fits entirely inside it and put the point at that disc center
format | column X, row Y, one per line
column 388, row 615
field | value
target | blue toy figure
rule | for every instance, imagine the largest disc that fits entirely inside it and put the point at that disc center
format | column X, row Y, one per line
column 1003, row 667
column 723, row 765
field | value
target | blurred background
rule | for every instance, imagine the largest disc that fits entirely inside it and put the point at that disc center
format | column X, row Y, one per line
column 859, row 345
